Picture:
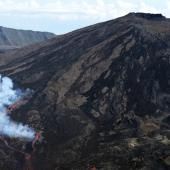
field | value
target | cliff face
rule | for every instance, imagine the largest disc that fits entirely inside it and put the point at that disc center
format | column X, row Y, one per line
column 12, row 38
column 102, row 95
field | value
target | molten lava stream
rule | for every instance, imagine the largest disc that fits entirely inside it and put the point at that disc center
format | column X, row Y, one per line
column 27, row 156
column 30, row 147
column 28, row 162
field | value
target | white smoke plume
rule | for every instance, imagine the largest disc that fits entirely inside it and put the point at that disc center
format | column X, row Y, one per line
column 8, row 96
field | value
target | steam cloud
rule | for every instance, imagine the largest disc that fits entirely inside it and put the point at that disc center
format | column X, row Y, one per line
column 9, row 96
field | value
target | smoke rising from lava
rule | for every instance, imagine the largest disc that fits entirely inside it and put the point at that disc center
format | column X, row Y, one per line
column 8, row 96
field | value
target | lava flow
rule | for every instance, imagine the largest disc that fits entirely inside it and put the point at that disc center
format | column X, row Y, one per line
column 28, row 151
column 10, row 100
column 17, row 104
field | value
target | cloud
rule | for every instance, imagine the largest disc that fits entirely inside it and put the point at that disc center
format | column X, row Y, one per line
column 77, row 9
column 61, row 16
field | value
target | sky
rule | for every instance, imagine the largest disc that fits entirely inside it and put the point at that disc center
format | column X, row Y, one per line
column 62, row 16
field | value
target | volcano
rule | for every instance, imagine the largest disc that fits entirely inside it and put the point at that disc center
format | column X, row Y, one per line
column 101, row 97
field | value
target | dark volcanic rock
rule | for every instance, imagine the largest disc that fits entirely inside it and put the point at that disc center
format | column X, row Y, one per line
column 148, row 16
column 102, row 95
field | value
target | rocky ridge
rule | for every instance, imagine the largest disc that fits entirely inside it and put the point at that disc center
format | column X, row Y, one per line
column 13, row 38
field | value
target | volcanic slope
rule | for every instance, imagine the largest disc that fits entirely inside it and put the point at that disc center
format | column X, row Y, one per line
column 101, row 95
column 13, row 38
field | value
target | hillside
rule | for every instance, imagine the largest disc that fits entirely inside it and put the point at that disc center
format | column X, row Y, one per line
column 101, row 96
column 12, row 38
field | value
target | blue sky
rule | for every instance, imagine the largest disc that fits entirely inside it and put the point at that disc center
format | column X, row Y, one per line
column 61, row 16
